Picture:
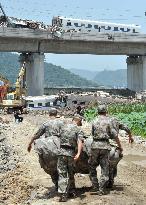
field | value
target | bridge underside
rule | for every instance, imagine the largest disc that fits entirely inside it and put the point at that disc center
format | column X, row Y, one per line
column 136, row 73
column 71, row 47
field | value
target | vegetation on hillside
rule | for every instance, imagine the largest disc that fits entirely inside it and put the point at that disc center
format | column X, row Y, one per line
column 112, row 78
column 9, row 66
column 58, row 76
column 54, row 75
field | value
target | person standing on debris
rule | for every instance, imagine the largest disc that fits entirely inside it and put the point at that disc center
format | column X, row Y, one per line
column 71, row 139
column 115, row 153
column 102, row 131
column 79, row 110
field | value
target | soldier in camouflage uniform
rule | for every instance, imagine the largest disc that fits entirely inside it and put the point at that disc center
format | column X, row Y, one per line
column 115, row 153
column 71, row 139
column 102, row 131
column 51, row 128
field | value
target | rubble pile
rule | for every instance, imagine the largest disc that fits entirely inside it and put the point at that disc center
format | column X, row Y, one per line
column 66, row 112
column 8, row 158
column 13, row 178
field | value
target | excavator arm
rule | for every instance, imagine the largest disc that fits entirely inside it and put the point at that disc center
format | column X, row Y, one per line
column 2, row 10
column 19, row 82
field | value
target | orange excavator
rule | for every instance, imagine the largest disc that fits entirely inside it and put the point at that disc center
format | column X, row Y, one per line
column 4, row 85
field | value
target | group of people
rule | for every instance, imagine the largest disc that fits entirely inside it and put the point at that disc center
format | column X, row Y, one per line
column 72, row 139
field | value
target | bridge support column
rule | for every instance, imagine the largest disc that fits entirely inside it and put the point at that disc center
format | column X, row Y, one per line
column 34, row 73
column 144, row 71
column 136, row 73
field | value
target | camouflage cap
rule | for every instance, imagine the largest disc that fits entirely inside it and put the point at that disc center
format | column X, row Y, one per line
column 102, row 109
column 53, row 111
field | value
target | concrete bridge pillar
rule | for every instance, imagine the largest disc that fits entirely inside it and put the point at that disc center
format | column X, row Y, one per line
column 136, row 73
column 143, row 58
column 34, row 73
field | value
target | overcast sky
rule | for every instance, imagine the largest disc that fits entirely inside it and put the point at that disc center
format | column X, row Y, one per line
column 117, row 11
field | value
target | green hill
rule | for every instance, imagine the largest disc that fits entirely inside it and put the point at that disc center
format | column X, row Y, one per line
column 58, row 76
column 54, row 75
column 9, row 66
column 112, row 78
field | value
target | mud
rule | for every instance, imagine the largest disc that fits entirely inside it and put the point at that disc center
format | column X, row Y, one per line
column 28, row 184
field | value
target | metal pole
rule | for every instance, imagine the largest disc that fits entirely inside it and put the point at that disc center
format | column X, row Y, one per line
column 2, row 10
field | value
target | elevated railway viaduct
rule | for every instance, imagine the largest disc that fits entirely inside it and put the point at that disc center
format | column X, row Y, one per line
column 32, row 44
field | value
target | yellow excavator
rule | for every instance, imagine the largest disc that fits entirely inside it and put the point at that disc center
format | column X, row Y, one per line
column 14, row 100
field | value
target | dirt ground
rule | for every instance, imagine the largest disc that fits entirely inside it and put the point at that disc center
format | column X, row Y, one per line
column 29, row 184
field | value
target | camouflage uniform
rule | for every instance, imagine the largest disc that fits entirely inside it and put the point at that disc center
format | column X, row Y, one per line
column 68, row 145
column 51, row 128
column 115, row 153
column 50, row 167
column 119, row 125
column 102, row 131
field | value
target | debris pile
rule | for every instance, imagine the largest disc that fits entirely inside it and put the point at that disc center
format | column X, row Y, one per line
column 8, row 158
column 13, row 178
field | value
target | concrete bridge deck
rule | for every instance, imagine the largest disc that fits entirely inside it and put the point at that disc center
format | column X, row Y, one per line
column 28, row 40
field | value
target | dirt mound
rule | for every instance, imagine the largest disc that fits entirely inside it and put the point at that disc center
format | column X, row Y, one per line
column 13, row 177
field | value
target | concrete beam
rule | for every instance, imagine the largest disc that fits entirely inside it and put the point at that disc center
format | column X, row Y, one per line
column 7, row 32
column 18, row 45
column 97, row 48
column 71, row 47
column 24, row 33
column 29, row 40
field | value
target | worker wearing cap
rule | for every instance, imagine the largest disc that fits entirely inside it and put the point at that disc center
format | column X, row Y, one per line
column 51, row 128
column 71, row 143
column 102, row 131
column 115, row 153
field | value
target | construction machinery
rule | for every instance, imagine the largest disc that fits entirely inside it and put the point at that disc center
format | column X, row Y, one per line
column 4, row 85
column 14, row 100
column 4, row 21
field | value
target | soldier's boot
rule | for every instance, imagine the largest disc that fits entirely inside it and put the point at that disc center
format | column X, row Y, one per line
column 56, row 186
column 72, row 193
column 72, row 189
column 102, row 192
column 63, row 198
column 95, row 188
column 115, row 172
column 110, row 184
